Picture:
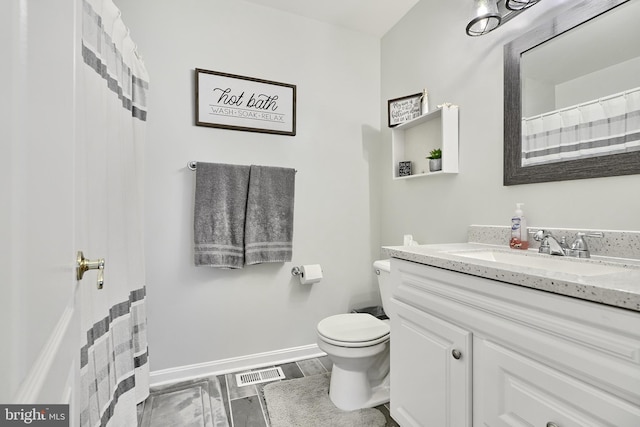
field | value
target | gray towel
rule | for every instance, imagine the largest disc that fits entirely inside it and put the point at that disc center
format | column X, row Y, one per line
column 219, row 214
column 269, row 223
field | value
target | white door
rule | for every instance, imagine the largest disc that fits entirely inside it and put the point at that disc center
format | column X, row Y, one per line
column 41, row 179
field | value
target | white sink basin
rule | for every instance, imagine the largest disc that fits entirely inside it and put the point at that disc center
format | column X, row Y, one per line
column 556, row 264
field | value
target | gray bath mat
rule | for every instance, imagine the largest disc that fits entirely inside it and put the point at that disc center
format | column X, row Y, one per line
column 305, row 402
column 197, row 402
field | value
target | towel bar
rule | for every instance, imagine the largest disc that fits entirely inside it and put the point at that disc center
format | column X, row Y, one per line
column 193, row 165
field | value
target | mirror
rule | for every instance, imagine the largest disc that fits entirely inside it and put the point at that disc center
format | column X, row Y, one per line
column 572, row 96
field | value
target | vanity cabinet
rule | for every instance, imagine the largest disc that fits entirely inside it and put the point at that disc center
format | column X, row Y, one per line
column 432, row 357
column 527, row 357
column 414, row 139
column 514, row 388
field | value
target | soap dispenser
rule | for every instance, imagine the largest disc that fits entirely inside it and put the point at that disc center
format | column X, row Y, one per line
column 519, row 236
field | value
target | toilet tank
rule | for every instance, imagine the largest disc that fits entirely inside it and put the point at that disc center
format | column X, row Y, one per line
column 383, row 271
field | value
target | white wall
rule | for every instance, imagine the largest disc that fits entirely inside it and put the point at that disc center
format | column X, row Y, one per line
column 346, row 203
column 201, row 314
column 543, row 96
column 617, row 78
column 430, row 49
column 537, row 97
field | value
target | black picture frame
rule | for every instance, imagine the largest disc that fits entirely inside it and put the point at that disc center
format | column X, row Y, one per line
column 230, row 101
column 399, row 110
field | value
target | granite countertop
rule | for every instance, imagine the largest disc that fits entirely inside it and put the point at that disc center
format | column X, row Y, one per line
column 620, row 288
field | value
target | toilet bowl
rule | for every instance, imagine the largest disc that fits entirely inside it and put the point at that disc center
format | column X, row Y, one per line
column 358, row 346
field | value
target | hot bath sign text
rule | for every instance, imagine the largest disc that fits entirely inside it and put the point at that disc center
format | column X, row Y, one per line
column 258, row 106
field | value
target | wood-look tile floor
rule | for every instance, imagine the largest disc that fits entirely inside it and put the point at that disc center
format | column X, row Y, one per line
column 221, row 403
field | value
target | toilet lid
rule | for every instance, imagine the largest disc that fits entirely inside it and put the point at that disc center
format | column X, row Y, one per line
column 353, row 327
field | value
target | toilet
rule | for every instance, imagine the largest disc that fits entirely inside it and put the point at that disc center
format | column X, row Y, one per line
column 358, row 346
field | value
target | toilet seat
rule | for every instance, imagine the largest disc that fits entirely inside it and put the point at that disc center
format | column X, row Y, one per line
column 353, row 330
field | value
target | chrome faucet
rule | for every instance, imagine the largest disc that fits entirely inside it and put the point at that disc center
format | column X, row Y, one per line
column 550, row 245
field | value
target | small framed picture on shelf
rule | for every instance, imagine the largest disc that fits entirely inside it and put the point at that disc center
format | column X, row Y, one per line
column 404, row 168
column 402, row 109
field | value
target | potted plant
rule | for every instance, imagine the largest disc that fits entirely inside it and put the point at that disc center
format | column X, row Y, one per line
column 435, row 160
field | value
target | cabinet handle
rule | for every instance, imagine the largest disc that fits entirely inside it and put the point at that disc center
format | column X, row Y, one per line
column 552, row 424
column 457, row 355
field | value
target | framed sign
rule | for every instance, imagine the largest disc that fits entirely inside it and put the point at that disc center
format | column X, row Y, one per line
column 234, row 102
column 403, row 109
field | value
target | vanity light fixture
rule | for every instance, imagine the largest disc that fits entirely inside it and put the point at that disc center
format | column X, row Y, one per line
column 485, row 17
column 490, row 14
column 520, row 4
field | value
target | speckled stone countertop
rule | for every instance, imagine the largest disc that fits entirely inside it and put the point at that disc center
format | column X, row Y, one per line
column 620, row 288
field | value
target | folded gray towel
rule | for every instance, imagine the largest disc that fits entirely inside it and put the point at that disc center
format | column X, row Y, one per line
column 219, row 214
column 269, row 222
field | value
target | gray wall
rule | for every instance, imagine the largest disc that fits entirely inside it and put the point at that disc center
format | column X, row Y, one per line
column 614, row 79
column 346, row 203
column 429, row 48
column 200, row 314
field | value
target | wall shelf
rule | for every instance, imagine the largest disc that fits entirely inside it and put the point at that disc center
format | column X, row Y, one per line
column 414, row 139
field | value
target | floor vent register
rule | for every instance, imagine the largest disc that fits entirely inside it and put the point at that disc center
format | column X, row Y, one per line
column 261, row 376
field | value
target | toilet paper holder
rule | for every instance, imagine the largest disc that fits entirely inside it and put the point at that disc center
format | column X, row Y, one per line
column 308, row 274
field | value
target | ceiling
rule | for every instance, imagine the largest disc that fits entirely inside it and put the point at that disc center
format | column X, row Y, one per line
column 374, row 17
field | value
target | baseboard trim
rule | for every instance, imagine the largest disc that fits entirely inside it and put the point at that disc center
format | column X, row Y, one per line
column 225, row 366
column 32, row 389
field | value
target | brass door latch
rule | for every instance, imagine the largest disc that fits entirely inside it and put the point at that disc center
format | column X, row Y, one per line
column 83, row 265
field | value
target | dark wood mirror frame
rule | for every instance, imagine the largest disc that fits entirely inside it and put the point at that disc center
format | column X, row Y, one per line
column 514, row 173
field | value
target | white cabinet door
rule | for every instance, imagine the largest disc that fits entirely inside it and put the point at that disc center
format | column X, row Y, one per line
column 430, row 370
column 512, row 390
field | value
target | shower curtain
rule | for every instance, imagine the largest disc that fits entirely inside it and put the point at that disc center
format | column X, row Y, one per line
column 600, row 127
column 112, row 95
